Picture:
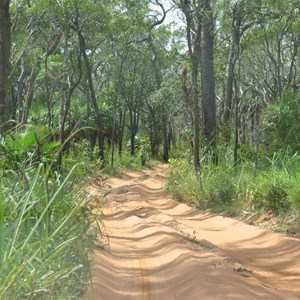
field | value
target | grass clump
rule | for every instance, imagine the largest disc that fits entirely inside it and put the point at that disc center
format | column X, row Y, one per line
column 270, row 184
column 271, row 191
column 215, row 186
column 182, row 182
column 44, row 239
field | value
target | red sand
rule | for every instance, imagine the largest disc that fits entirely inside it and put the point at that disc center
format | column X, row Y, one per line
column 158, row 248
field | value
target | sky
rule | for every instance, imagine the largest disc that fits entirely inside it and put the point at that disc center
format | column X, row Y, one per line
column 173, row 16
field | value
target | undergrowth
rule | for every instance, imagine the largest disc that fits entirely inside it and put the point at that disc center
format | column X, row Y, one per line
column 45, row 224
column 46, row 230
column 44, row 236
column 272, row 184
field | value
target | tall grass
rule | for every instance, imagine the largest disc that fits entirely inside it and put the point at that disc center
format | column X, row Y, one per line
column 272, row 184
column 43, row 235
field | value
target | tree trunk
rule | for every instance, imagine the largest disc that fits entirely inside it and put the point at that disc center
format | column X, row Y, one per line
column 113, row 132
column 29, row 95
column 134, row 125
column 232, row 59
column 20, row 91
column 164, row 117
column 229, row 86
column 207, row 75
column 193, row 35
column 100, row 122
column 132, row 141
column 5, row 26
column 236, row 130
column 65, row 108
column 165, row 136
column 32, row 80
column 196, row 118
column 153, row 130
column 121, row 130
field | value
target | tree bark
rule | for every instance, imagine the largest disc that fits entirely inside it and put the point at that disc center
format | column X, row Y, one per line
column 134, row 117
column 100, row 122
column 121, row 127
column 29, row 95
column 20, row 90
column 65, row 106
column 193, row 34
column 5, row 46
column 153, row 131
column 207, row 74
column 232, row 59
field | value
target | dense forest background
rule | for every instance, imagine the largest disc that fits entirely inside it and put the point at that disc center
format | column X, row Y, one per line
column 107, row 74
column 212, row 87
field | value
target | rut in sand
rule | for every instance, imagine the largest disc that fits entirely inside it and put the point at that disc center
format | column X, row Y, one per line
column 157, row 248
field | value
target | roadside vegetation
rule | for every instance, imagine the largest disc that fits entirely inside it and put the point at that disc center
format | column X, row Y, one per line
column 246, row 191
column 265, row 179
column 91, row 88
column 46, row 223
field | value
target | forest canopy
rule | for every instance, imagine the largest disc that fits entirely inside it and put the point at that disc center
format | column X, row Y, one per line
column 170, row 72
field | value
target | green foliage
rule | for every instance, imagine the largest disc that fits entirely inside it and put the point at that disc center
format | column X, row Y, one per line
column 294, row 195
column 123, row 162
column 218, row 186
column 143, row 146
column 27, row 145
column 270, row 191
column 214, row 187
column 246, row 153
column 282, row 121
column 224, row 188
column 45, row 231
column 182, row 182
column 87, row 158
column 44, row 221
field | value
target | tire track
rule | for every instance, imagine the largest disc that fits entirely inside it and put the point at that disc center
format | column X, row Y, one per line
column 162, row 249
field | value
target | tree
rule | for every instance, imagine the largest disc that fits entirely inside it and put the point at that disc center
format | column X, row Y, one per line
column 193, row 18
column 164, row 118
column 207, row 74
column 4, row 62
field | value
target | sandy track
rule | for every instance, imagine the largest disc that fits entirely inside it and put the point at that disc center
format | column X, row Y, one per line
column 158, row 248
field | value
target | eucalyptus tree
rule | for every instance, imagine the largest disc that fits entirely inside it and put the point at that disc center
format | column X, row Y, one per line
column 36, row 36
column 126, row 69
column 233, row 16
column 138, row 65
column 278, row 42
column 199, row 21
column 236, row 17
column 266, row 56
column 193, row 19
column 135, row 82
column 54, row 50
column 208, row 74
column 71, row 80
column 78, row 22
column 118, row 56
column 158, row 79
column 4, row 62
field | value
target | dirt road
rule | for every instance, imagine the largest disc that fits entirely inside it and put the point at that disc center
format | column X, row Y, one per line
column 158, row 248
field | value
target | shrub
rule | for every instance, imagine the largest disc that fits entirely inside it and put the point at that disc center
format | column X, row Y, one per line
column 218, row 184
column 282, row 123
column 182, row 182
column 271, row 191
